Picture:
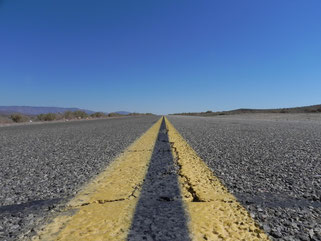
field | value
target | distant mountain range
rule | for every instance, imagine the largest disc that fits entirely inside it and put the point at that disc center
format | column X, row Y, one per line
column 34, row 110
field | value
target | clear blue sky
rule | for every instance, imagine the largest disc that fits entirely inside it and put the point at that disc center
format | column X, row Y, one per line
column 160, row 56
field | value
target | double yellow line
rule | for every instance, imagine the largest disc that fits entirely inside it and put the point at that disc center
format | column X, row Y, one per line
column 104, row 209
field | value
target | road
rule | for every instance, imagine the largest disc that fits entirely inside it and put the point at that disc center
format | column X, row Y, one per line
column 186, row 178
column 271, row 164
column 42, row 166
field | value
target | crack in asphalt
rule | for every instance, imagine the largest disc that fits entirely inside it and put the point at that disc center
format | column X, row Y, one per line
column 147, row 150
column 133, row 195
column 176, row 158
column 186, row 180
column 188, row 185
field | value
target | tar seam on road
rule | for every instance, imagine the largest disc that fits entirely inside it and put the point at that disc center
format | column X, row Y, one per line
column 160, row 214
column 214, row 213
column 103, row 210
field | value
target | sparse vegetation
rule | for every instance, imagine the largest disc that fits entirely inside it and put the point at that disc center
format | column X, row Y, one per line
column 68, row 115
column 5, row 119
column 98, row 115
column 80, row 114
column 304, row 109
column 47, row 117
column 139, row 114
column 18, row 118
column 114, row 115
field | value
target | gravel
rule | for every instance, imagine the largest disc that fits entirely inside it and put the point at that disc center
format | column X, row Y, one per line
column 43, row 166
column 272, row 164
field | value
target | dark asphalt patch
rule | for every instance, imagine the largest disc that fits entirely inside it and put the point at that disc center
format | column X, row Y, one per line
column 159, row 213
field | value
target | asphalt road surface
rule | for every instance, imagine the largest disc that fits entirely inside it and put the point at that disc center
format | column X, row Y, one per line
column 43, row 166
column 272, row 164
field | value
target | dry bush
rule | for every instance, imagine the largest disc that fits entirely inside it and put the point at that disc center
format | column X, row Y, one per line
column 98, row 115
column 80, row 114
column 47, row 117
column 68, row 115
column 114, row 115
column 18, row 118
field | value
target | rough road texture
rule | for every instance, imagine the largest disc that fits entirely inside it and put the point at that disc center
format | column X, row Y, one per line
column 272, row 165
column 43, row 166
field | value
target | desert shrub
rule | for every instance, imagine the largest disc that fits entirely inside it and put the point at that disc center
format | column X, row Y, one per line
column 283, row 111
column 80, row 114
column 59, row 116
column 41, row 117
column 97, row 115
column 209, row 111
column 19, row 118
column 114, row 115
column 47, row 117
column 68, row 115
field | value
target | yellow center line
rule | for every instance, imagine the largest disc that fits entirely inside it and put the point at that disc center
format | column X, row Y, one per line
column 104, row 209
column 214, row 213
